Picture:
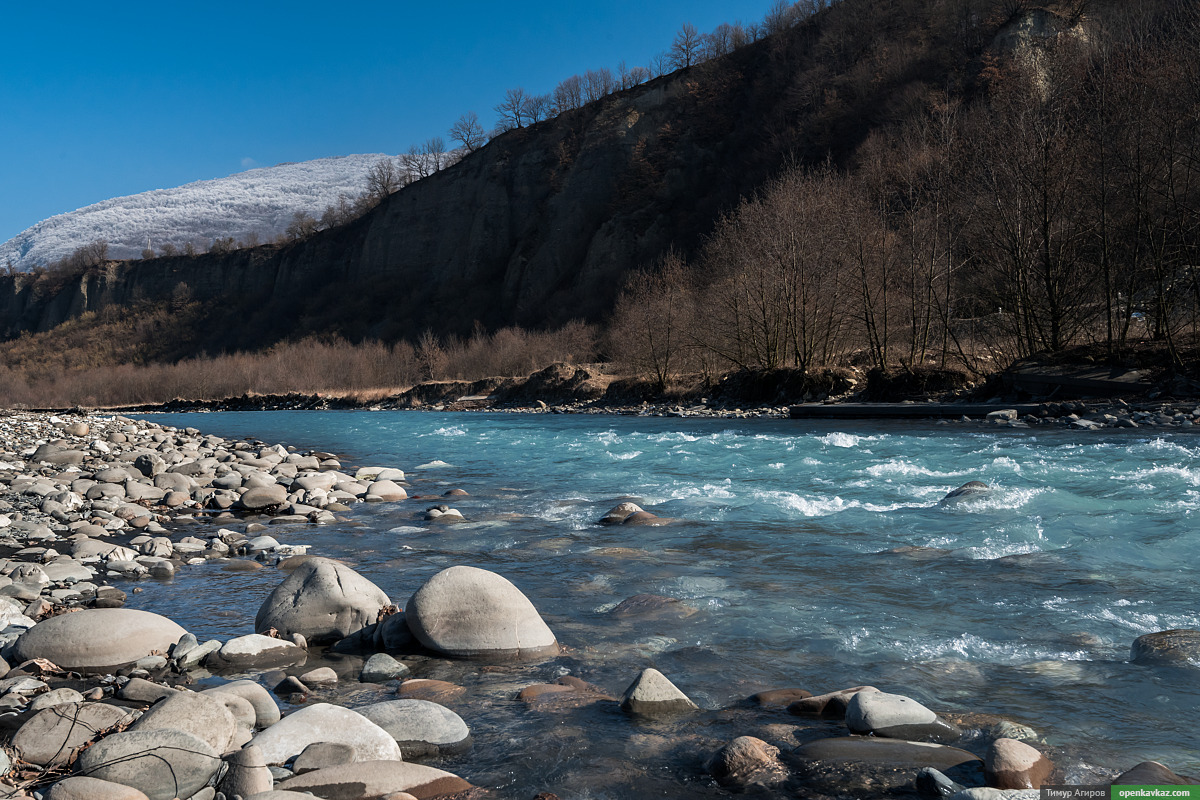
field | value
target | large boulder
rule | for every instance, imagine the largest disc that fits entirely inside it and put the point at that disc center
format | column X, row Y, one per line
column 323, row 722
column 376, row 779
column 50, row 737
column 201, row 715
column 420, row 727
column 266, row 712
column 98, row 639
column 163, row 764
column 466, row 612
column 323, row 600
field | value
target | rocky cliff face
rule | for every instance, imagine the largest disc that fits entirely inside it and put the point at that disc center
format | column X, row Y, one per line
column 535, row 229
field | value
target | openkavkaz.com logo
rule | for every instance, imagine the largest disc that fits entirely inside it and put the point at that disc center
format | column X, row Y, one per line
column 1118, row 792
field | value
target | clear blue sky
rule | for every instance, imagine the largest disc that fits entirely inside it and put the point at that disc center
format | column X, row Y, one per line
column 99, row 100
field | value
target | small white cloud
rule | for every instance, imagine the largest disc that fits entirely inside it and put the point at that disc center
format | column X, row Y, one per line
column 248, row 163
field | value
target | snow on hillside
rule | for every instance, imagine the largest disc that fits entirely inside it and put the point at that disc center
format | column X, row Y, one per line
column 259, row 201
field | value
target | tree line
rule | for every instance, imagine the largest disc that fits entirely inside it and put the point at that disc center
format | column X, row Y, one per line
column 1058, row 204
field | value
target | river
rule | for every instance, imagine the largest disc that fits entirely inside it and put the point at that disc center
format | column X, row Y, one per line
column 816, row 554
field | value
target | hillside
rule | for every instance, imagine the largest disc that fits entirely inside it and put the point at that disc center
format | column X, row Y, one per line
column 885, row 183
column 255, row 205
column 539, row 226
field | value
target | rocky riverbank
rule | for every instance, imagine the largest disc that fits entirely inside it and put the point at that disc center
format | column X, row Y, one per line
column 341, row 691
column 565, row 389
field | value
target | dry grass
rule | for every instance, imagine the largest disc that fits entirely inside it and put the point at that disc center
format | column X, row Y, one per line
column 104, row 363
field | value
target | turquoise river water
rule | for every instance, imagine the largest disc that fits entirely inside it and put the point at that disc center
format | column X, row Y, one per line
column 816, row 552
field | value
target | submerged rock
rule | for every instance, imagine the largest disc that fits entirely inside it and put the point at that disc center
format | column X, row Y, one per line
column 652, row 606
column 618, row 513
column 873, row 766
column 466, row 612
column 1179, row 647
column 1152, row 773
column 747, row 762
column 967, row 490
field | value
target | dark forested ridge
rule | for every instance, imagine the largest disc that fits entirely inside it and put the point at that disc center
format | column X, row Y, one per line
column 887, row 181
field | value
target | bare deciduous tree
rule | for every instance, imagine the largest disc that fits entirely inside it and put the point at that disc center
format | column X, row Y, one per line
column 652, row 320
column 685, row 50
column 383, row 178
column 568, row 94
column 302, row 226
column 468, row 132
column 512, row 109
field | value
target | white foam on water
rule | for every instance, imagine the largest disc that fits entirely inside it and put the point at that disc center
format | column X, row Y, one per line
column 691, row 587
column 1143, row 621
column 1165, row 446
column 1189, row 476
column 839, row 439
column 623, row 456
column 970, row 647
column 809, row 461
column 452, row 430
column 804, row 506
column 406, row 529
column 433, row 465
column 901, row 467
column 673, row 436
column 711, row 491
column 776, row 465
column 1006, row 463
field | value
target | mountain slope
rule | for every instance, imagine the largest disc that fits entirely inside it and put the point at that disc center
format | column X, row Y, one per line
column 257, row 203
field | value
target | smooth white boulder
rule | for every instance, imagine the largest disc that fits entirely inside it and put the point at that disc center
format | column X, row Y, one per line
column 468, row 612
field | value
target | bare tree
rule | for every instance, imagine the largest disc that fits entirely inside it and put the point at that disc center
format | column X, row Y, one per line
column 468, row 132
column 568, row 94
column 434, row 151
column 685, row 50
column 431, row 356
column 302, row 226
column 650, row 330
column 717, row 43
column 597, row 83
column 512, row 109
column 537, row 108
column 383, row 178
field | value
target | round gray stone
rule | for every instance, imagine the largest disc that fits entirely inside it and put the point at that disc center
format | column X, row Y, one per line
column 466, row 612
column 420, row 727
column 164, row 763
column 323, row 722
column 323, row 600
column 98, row 639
